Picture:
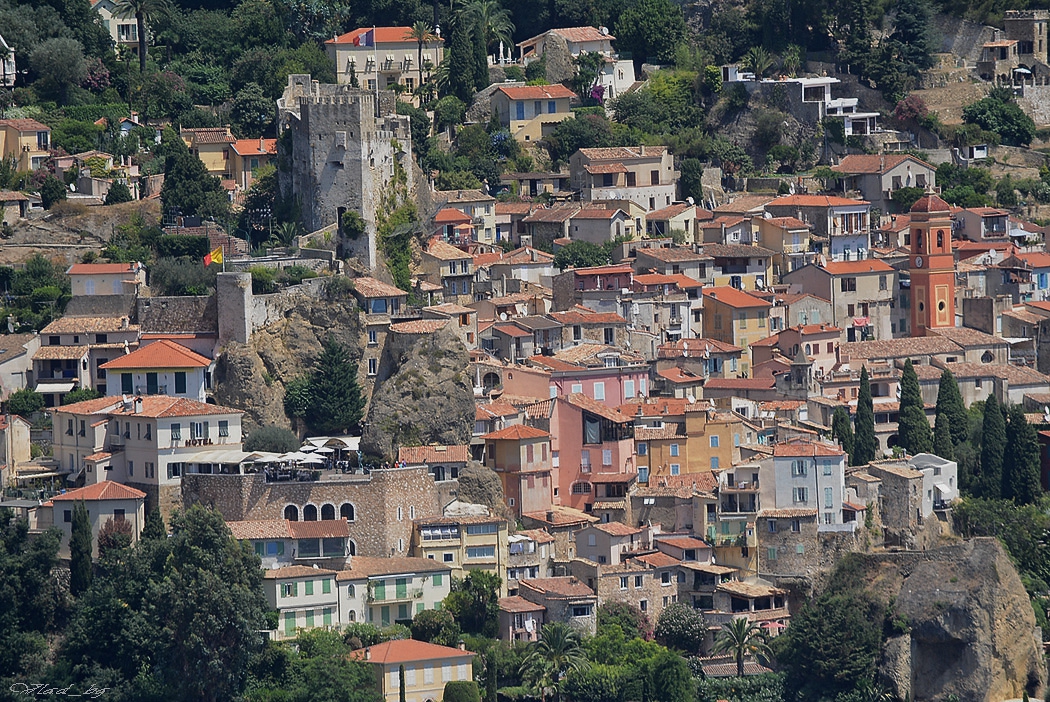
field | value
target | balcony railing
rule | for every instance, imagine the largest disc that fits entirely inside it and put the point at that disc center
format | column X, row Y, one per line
column 742, row 486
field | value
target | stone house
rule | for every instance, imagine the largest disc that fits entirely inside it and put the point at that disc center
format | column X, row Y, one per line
column 379, row 506
column 758, row 602
column 562, row 523
column 13, row 205
column 600, row 225
column 73, row 349
column 581, row 325
column 787, row 541
column 16, row 362
column 480, row 206
column 525, row 264
column 531, row 112
column 462, row 320
column 105, row 501
column 726, row 229
column 740, row 266
column 428, row 668
column 616, row 75
column 673, row 261
column 877, row 176
column 566, row 599
column 451, row 268
column 643, row 174
column 679, row 217
column 442, row 462
column 519, row 619
column 705, row 357
column 531, row 556
column 357, row 52
column 862, row 294
column 381, row 302
column 604, row 282
column 610, row 542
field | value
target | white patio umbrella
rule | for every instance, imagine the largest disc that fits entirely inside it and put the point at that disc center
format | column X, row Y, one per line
column 312, row 459
column 325, row 449
column 294, row 456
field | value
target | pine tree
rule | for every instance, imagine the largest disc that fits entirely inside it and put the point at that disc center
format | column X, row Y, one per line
column 842, row 429
column 950, row 404
column 80, row 550
column 481, row 59
column 1021, row 460
column 461, row 72
column 942, row 438
column 914, row 36
column 865, row 445
column 336, row 404
column 154, row 528
column 913, row 429
column 993, row 447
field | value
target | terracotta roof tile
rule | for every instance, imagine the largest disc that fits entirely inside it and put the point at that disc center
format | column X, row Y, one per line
column 444, row 251
column 667, row 431
column 106, row 490
column 416, row 455
column 208, row 135
column 159, row 354
column 419, row 326
column 383, row 35
column 806, row 448
column 536, row 92
column 408, row 651
column 82, row 325
column 324, row 529
column 623, row 153
column 260, row 529
column 254, row 147
column 617, row 529
column 694, row 348
column 875, row 163
column 868, row 265
column 658, row 560
column 370, row 287
column 585, row 403
column 815, row 201
column 671, row 255
column 735, row 298
column 516, row 432
column 102, row 268
column 156, row 406
column 25, row 125
column 295, row 571
column 582, row 34
column 740, row 383
column 61, row 353
column 519, row 604
column 367, row 566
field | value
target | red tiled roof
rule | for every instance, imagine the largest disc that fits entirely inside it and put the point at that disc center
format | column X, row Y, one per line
column 583, row 402
column 561, row 516
column 444, row 251
column 254, row 147
column 419, row 326
column 658, row 560
column 25, row 125
column 815, row 201
column 154, row 406
column 516, row 432
column 106, row 490
column 874, row 163
column 407, row 651
column 806, row 448
column 788, row 222
column 930, row 203
column 324, row 529
column 519, row 604
column 740, row 383
column 450, row 215
column 868, row 265
column 679, row 375
column 623, row 153
column 511, row 330
column 596, row 213
column 735, row 298
column 694, row 348
column 208, row 135
column 617, row 528
column 102, row 268
column 582, row 34
column 536, row 92
column 159, row 354
column 414, row 455
column 370, row 287
column 296, row 571
column 671, row 211
column 383, row 35
column 578, row 315
column 259, row 529
column 599, row 168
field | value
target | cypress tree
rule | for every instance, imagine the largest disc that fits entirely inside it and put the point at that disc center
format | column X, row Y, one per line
column 865, row 445
column 993, row 447
column 461, row 72
column 950, row 404
column 336, row 404
column 401, row 682
column 913, row 429
column 942, row 438
column 1021, row 481
column 842, row 430
column 154, row 528
column 80, row 550
column 481, row 59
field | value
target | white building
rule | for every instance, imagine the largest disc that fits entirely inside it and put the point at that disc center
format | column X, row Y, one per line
column 305, row 597
column 106, row 278
column 105, row 501
column 160, row 368
column 7, row 66
column 383, row 591
column 809, row 475
column 123, row 30
column 616, row 76
column 940, row 481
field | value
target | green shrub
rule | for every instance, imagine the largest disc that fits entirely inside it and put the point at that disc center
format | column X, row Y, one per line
column 272, row 439
column 462, row 690
column 264, row 280
column 25, row 402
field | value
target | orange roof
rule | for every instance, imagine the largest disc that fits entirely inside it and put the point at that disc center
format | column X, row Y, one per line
column 578, row 399
column 370, row 287
column 1035, row 259
column 25, row 125
column 679, row 375
column 930, row 203
column 254, row 147
column 536, row 92
column 154, row 406
column 806, row 448
column 296, row 571
column 102, row 268
column 874, row 163
column 517, row 603
column 383, row 35
column 516, row 432
column 815, row 201
column 582, row 34
column 445, row 252
column 735, row 298
column 159, row 354
column 868, row 265
column 407, row 651
column 106, row 490
column 433, row 454
column 450, row 215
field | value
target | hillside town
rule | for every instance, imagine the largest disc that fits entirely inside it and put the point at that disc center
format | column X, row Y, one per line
column 489, row 356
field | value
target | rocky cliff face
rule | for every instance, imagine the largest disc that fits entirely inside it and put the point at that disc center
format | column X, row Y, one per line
column 423, row 395
column 971, row 629
column 252, row 376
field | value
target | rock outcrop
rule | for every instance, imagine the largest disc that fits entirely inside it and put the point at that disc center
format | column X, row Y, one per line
column 423, row 395
column 971, row 630
column 252, row 376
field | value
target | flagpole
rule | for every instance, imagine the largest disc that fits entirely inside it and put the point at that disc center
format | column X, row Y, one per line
column 375, row 54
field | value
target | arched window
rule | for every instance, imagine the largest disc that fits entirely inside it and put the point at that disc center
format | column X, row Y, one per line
column 291, row 513
column 353, row 616
column 310, row 513
column 346, row 511
column 987, row 357
column 351, row 591
column 490, row 380
column 353, row 548
column 327, row 512
column 808, row 348
column 940, row 239
column 918, row 238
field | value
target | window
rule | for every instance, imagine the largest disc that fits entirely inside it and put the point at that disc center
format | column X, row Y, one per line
column 581, row 611
column 772, row 524
column 829, row 498
column 742, row 319
column 224, row 427
column 607, row 457
column 676, row 469
column 882, row 282
column 346, row 511
column 628, row 389
column 643, row 605
column 623, row 583
column 665, row 578
column 714, row 441
column 800, row 494
column 180, row 382
column 827, row 467
column 176, row 432
column 608, row 336
column 373, row 337
column 552, row 107
column 400, row 514
column 798, row 469
column 288, row 589
column 69, row 428
column 373, row 366
column 446, row 558
column 477, row 552
column 599, row 391
column 576, row 388
column 643, row 449
column 581, row 488
column 714, row 462
column 674, row 449
column 309, row 589
column 796, row 525
column 772, row 554
column 475, row 529
column 67, row 516
column 848, row 284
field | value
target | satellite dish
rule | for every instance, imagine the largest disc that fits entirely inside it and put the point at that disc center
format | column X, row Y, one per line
column 72, row 187
column 503, row 316
column 691, row 399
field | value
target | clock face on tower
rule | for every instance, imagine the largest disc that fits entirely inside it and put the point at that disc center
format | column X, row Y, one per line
column 918, row 261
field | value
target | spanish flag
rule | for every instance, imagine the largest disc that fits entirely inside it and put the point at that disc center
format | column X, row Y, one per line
column 214, row 257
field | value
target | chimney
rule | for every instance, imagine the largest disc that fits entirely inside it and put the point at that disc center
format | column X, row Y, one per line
column 550, row 516
column 462, row 645
column 138, row 405
column 368, row 652
column 124, row 322
column 642, row 149
column 262, row 145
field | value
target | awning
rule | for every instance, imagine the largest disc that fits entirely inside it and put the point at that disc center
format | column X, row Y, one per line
column 61, row 386
column 942, row 488
column 218, row 456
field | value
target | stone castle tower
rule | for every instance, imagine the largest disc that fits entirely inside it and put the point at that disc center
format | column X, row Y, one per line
column 343, row 155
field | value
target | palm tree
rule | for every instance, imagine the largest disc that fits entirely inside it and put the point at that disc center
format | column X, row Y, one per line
column 759, row 61
column 557, row 652
column 143, row 11
column 422, row 34
column 742, row 638
column 494, row 19
column 792, row 59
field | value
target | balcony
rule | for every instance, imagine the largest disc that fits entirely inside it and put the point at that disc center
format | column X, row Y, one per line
column 151, row 390
column 760, row 615
column 742, row 486
column 796, row 248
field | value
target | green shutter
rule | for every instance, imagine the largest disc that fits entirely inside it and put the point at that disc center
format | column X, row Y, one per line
column 328, row 616
column 180, row 382
column 437, row 579
column 260, row 548
column 420, row 607
column 289, row 623
column 326, row 586
column 772, row 553
column 380, row 590
column 384, row 616
column 309, row 618
column 280, row 548
column 295, row 589
column 402, row 611
column 309, row 587
column 127, row 383
column 402, row 588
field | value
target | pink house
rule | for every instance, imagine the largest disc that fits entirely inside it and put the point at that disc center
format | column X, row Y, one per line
column 820, row 343
column 521, row 457
column 593, row 451
column 603, row 373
